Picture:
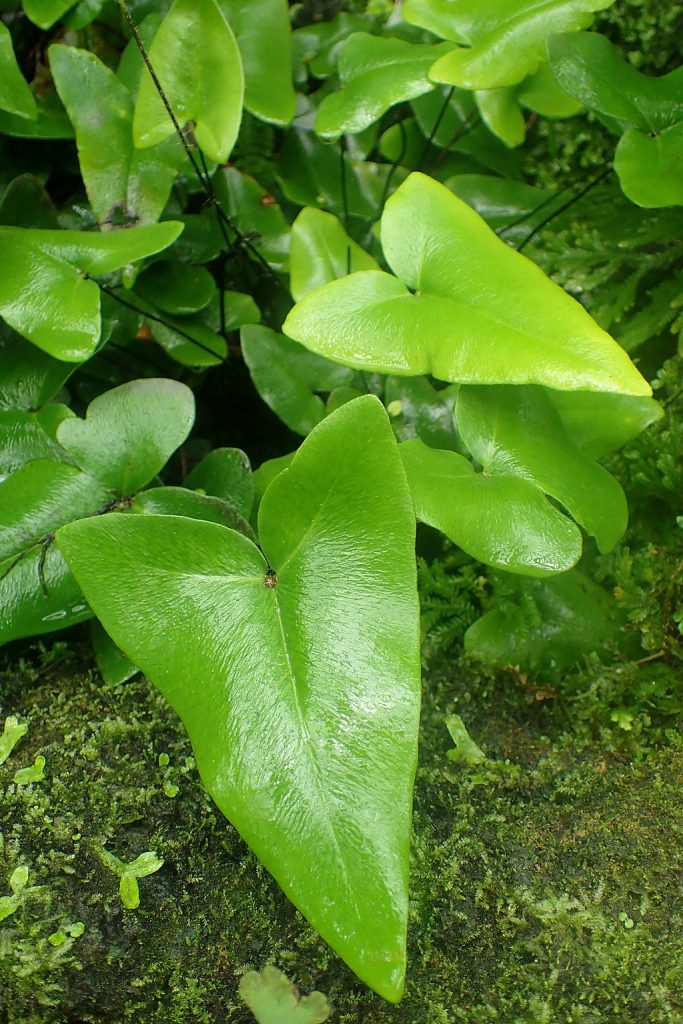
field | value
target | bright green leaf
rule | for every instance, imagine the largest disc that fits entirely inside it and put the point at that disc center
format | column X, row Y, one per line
column 130, row 432
column 196, row 59
column 120, row 181
column 481, row 313
column 503, row 521
column 516, row 431
column 28, row 377
column 12, row 732
column 590, row 68
column 273, row 999
column 542, row 93
column 376, row 73
column 44, row 13
column 33, row 773
column 129, row 891
column 599, row 424
column 99, row 252
column 179, row 501
column 51, row 121
column 225, row 473
column 15, row 95
column 321, row 251
column 263, row 36
column 305, row 723
column 466, row 750
column 30, row 435
column 175, row 287
column 287, row 376
column 650, row 167
column 500, row 113
column 264, row 476
column 507, row 38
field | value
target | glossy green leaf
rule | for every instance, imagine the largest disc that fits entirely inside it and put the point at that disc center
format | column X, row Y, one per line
column 43, row 294
column 500, row 201
column 15, row 95
column 499, row 109
column 113, row 665
column 225, row 473
column 516, row 431
column 263, row 478
column 38, row 595
column 304, row 724
column 179, row 501
column 51, row 121
column 120, row 180
column 650, row 167
column 590, row 68
column 321, row 251
column 287, row 376
column 600, row 424
column 443, row 19
column 317, row 46
column 545, row 625
column 26, row 204
column 263, row 36
column 28, row 377
column 189, row 341
column 196, row 59
column 44, row 13
column 481, row 313
column 175, row 287
column 543, row 93
column 30, row 435
column 503, row 521
column 507, row 38
column 130, row 432
column 41, row 496
column 273, row 999
column 375, row 73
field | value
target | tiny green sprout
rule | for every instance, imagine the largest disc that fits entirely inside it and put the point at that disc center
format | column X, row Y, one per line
column 164, row 759
column 17, row 883
column 273, row 999
column 394, row 408
column 34, row 773
column 466, row 751
column 623, row 718
column 129, row 891
column 73, row 931
column 11, row 735
column 627, row 921
column 171, row 790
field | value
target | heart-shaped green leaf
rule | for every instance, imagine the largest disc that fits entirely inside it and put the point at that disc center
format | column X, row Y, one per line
column 376, row 73
column 481, row 313
column 506, row 37
column 503, row 521
column 15, row 95
column 198, row 64
column 650, row 167
column 225, row 473
column 321, row 251
column 513, row 431
column 299, row 686
column 120, row 181
column 263, row 34
column 130, row 432
column 287, row 376
column 589, row 67
column 43, row 294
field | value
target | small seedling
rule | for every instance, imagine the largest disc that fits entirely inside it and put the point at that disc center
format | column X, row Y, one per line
column 34, row 773
column 273, row 999
column 11, row 735
column 129, row 891
column 466, row 751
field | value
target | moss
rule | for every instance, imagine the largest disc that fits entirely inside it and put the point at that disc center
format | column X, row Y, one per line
column 528, row 870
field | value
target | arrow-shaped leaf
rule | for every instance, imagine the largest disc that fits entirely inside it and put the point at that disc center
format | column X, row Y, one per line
column 196, row 59
column 480, row 313
column 376, row 73
column 296, row 671
column 502, row 521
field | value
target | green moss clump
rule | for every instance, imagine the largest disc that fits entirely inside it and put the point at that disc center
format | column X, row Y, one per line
column 544, row 880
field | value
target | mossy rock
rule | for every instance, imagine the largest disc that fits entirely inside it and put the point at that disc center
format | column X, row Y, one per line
column 545, row 882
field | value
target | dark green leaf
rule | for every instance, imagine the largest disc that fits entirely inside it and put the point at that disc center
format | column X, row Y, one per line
column 225, row 473
column 175, row 287
column 15, row 95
